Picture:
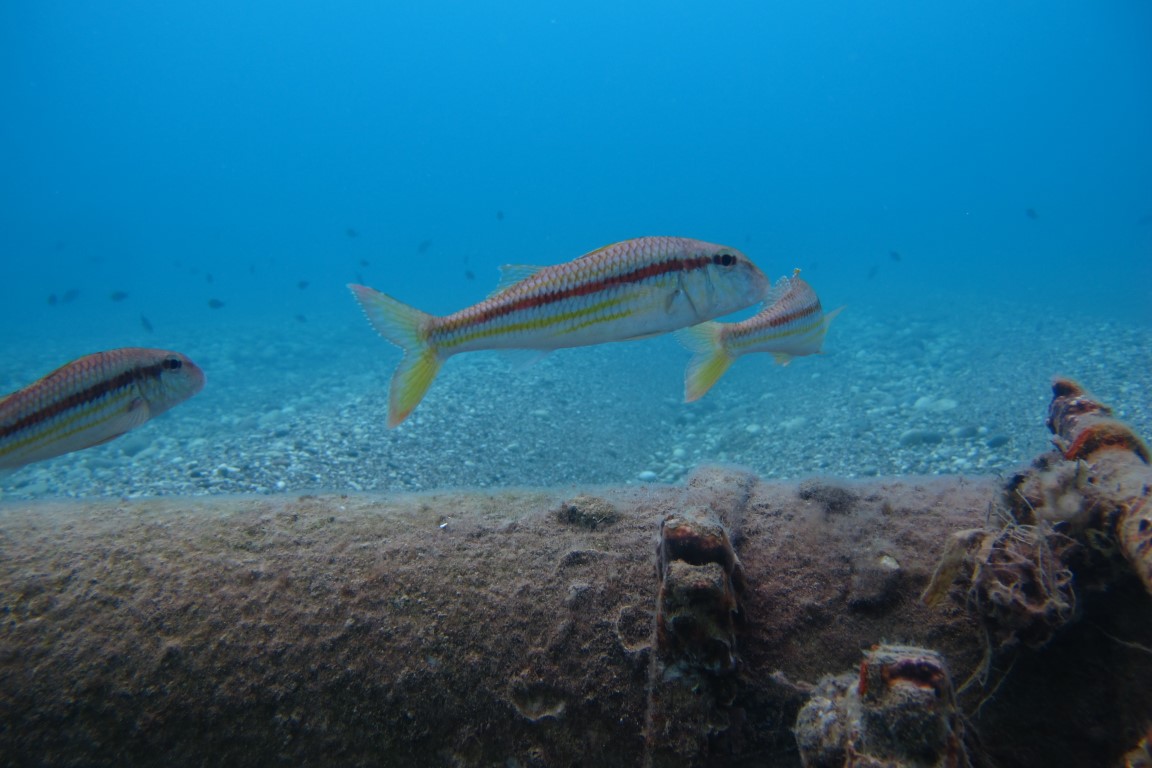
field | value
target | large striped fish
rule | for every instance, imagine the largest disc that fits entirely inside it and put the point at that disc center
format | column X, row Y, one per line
column 628, row 290
column 791, row 324
column 92, row 400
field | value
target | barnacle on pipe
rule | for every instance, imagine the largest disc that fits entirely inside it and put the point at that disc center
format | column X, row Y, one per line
column 899, row 711
column 1106, row 465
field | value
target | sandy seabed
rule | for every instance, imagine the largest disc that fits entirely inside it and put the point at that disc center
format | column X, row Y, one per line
column 302, row 407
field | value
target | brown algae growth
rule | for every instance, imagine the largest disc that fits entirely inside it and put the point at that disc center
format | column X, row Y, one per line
column 660, row 626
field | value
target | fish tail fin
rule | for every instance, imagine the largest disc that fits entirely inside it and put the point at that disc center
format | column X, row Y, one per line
column 407, row 328
column 709, row 363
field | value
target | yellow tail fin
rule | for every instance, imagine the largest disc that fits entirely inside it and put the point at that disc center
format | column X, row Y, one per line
column 407, row 328
column 710, row 361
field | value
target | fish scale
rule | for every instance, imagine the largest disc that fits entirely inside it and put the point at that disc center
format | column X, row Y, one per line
column 628, row 290
column 791, row 323
column 92, row 400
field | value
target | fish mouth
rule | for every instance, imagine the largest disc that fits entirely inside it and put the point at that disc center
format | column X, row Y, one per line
column 194, row 377
column 199, row 378
column 757, row 287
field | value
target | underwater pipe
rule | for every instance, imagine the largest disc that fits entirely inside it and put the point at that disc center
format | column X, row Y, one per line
column 1113, row 476
column 659, row 626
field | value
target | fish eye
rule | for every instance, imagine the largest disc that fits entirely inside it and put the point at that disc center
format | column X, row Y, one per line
column 172, row 363
column 724, row 259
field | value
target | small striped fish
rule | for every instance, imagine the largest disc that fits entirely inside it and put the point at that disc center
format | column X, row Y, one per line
column 791, row 324
column 635, row 288
column 91, row 401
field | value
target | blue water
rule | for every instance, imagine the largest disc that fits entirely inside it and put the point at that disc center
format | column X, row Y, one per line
column 906, row 156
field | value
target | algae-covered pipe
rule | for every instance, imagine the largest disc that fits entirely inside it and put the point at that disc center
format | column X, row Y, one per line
column 517, row 628
column 1118, row 481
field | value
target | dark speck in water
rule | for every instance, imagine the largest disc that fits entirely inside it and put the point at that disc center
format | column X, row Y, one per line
column 301, row 319
column 208, row 277
column 894, row 256
column 873, row 271
column 146, row 324
column 499, row 215
column 215, row 303
column 469, row 275
column 423, row 247
column 351, row 232
column 118, row 295
column 1031, row 213
column 70, row 295
column 363, row 262
column 52, row 299
column 302, row 284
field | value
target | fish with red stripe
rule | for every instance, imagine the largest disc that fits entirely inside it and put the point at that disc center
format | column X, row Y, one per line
column 629, row 290
column 792, row 323
column 91, row 401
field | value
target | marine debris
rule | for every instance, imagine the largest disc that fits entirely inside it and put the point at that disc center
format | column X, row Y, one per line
column 1077, row 519
column 898, row 712
column 1140, row 756
column 1071, row 529
column 651, row 625
column 1098, row 482
column 693, row 675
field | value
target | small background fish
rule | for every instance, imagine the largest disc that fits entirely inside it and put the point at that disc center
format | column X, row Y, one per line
column 791, row 324
column 92, row 400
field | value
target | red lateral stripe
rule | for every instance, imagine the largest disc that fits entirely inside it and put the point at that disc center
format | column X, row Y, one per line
column 77, row 399
column 795, row 315
column 500, row 309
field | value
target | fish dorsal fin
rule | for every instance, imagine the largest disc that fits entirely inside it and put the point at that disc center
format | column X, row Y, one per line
column 778, row 291
column 510, row 274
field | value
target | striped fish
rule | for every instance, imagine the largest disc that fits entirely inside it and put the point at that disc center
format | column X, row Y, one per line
column 91, row 401
column 791, row 324
column 628, row 290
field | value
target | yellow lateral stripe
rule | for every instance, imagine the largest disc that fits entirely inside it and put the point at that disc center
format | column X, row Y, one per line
column 743, row 341
column 64, row 429
column 543, row 321
column 63, row 426
column 596, row 320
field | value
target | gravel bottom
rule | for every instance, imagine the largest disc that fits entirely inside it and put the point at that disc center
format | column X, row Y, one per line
column 940, row 393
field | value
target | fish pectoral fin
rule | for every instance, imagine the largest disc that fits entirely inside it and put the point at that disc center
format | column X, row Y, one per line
column 510, row 274
column 134, row 414
column 782, row 358
column 138, row 412
column 109, row 439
